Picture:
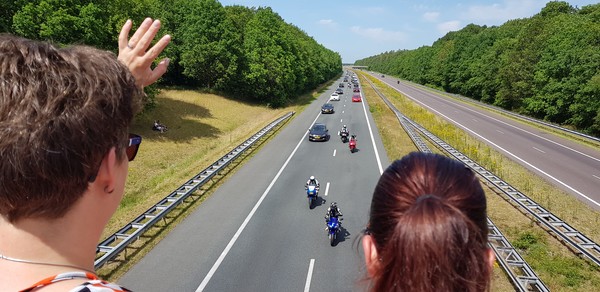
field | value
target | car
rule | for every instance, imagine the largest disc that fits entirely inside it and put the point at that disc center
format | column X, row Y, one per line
column 334, row 96
column 382, row 76
column 318, row 132
column 339, row 91
column 341, row 85
column 327, row 108
column 356, row 97
column 356, row 89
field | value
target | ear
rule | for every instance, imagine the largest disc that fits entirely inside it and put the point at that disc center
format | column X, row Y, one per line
column 491, row 257
column 107, row 172
column 371, row 256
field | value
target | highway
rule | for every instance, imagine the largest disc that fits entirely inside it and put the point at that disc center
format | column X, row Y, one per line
column 573, row 167
column 257, row 233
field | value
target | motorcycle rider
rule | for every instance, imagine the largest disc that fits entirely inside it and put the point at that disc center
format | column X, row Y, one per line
column 353, row 138
column 312, row 181
column 344, row 130
column 332, row 211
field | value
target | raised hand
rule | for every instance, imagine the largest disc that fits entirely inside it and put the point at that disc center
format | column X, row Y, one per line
column 134, row 52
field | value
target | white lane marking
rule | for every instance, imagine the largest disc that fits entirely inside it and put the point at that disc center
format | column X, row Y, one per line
column 372, row 138
column 540, row 150
column 334, row 150
column 342, row 111
column 598, row 177
column 500, row 132
column 311, row 265
column 341, row 120
column 247, row 220
column 327, row 189
column 506, row 151
column 475, row 120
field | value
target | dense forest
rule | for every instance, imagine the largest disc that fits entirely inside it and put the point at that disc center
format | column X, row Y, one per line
column 546, row 66
column 248, row 53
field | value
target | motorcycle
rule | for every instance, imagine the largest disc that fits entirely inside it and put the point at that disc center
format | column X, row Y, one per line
column 333, row 227
column 343, row 136
column 311, row 192
column 352, row 144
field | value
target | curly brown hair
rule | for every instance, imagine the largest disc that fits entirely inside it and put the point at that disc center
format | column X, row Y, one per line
column 428, row 222
column 61, row 111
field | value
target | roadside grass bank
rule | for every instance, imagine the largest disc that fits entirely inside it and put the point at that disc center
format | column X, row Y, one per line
column 202, row 128
column 558, row 267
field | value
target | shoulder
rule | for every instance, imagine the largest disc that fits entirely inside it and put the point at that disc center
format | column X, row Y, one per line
column 99, row 286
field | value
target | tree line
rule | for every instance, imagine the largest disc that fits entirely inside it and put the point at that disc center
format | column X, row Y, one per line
column 247, row 53
column 546, row 66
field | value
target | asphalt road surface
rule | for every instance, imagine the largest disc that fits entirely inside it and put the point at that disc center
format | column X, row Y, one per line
column 572, row 167
column 257, row 233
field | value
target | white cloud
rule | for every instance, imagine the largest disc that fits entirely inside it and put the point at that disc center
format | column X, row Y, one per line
column 431, row 16
column 448, row 26
column 379, row 34
column 499, row 13
column 326, row 22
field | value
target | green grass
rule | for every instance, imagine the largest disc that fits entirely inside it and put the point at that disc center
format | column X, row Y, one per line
column 556, row 265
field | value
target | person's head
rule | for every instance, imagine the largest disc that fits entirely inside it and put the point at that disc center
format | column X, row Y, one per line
column 61, row 111
column 312, row 177
column 333, row 205
column 427, row 229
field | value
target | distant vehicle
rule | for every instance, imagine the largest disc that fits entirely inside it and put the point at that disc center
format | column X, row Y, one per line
column 341, row 85
column 382, row 76
column 345, row 79
column 356, row 98
column 356, row 89
column 318, row 132
column 327, row 108
column 339, row 91
column 334, row 96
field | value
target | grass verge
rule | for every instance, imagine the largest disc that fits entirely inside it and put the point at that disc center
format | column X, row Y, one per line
column 555, row 264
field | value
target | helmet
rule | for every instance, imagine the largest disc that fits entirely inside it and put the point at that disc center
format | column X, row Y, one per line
column 344, row 126
column 333, row 205
column 312, row 177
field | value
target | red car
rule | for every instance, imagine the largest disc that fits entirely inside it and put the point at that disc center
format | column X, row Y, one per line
column 356, row 98
column 356, row 89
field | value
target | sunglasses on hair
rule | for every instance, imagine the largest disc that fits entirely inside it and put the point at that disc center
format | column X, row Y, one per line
column 133, row 146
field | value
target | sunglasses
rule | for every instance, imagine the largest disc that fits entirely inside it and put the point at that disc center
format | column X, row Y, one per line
column 133, row 146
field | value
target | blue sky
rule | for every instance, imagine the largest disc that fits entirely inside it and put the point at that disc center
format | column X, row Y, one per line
column 359, row 29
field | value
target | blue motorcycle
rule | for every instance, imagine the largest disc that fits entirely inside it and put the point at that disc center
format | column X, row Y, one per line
column 333, row 226
column 311, row 192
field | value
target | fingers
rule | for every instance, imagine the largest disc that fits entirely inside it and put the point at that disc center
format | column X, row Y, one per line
column 148, row 35
column 158, row 71
column 124, row 34
column 139, row 33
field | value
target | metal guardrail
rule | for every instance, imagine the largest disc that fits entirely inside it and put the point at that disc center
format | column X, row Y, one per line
column 521, row 274
column 554, row 225
column 510, row 260
column 117, row 242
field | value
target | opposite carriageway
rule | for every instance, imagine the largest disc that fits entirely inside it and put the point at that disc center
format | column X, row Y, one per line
column 518, row 270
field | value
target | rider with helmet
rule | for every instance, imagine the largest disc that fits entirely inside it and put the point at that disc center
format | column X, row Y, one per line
column 312, row 181
column 333, row 211
column 344, row 130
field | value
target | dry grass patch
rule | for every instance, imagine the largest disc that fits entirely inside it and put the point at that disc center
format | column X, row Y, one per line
column 556, row 265
column 202, row 128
